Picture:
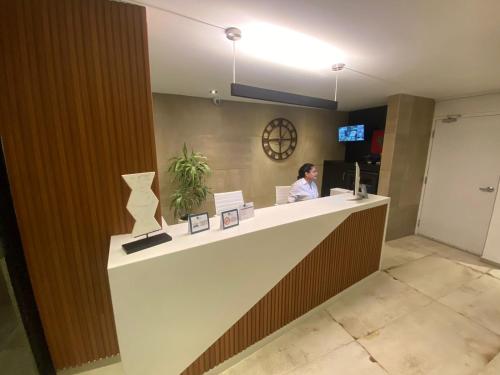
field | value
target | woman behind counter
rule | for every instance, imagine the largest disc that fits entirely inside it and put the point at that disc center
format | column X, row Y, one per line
column 305, row 187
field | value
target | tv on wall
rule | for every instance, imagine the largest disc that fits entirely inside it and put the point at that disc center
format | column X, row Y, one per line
column 352, row 133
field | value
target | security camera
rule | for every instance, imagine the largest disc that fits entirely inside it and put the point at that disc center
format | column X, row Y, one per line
column 215, row 97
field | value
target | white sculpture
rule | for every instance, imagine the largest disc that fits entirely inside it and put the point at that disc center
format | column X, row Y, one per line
column 142, row 202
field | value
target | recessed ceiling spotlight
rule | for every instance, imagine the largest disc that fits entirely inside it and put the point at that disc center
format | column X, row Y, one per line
column 213, row 92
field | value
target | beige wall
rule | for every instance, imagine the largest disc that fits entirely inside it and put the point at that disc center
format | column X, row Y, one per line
column 406, row 141
column 230, row 136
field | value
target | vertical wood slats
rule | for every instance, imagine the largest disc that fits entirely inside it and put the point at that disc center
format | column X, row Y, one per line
column 349, row 254
column 75, row 114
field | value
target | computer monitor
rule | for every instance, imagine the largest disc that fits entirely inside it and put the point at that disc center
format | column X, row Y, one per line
column 352, row 133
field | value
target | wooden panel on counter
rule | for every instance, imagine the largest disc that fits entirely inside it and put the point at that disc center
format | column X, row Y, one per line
column 349, row 254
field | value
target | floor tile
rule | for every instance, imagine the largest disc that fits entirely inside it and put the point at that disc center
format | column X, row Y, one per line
column 114, row 369
column 8, row 324
column 394, row 256
column 479, row 300
column 350, row 359
column 492, row 368
column 110, row 367
column 17, row 362
column 18, row 339
column 374, row 302
column 462, row 257
column 495, row 273
column 314, row 337
column 434, row 276
column 415, row 243
column 318, row 335
column 274, row 358
column 433, row 340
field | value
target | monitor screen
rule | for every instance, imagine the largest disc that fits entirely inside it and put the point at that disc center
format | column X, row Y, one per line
column 352, row 133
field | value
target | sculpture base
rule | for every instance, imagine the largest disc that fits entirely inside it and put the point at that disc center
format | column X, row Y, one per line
column 145, row 243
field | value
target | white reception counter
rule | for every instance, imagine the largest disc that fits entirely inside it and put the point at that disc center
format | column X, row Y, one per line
column 187, row 305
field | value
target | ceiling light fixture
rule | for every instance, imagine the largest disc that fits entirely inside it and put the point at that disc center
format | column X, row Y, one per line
column 288, row 47
column 245, row 91
column 275, row 33
column 213, row 92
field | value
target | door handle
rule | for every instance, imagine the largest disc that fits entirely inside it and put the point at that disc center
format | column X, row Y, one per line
column 487, row 189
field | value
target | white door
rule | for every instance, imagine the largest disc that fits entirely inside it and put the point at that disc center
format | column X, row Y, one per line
column 462, row 180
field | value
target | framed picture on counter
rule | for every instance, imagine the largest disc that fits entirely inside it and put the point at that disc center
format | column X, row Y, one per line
column 229, row 218
column 246, row 211
column 198, row 223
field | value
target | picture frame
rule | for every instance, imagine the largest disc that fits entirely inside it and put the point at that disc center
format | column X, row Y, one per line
column 198, row 223
column 246, row 211
column 230, row 218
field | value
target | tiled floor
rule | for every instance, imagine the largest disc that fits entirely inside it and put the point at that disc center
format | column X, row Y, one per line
column 15, row 354
column 432, row 310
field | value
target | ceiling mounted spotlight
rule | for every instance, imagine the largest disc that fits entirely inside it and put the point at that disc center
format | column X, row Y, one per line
column 213, row 92
column 451, row 118
column 233, row 34
column 338, row 67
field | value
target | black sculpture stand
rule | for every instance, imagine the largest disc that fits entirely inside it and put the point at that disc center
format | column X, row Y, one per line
column 145, row 243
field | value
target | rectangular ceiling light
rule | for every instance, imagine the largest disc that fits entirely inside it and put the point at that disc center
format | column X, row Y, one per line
column 252, row 92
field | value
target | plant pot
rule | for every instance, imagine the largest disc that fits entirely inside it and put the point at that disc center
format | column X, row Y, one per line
column 183, row 219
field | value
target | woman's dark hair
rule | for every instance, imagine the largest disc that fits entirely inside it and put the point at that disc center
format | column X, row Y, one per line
column 304, row 169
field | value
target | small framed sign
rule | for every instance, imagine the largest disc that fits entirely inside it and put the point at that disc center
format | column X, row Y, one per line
column 229, row 218
column 198, row 223
column 246, row 211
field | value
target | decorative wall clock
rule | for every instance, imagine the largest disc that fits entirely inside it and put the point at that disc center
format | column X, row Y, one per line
column 279, row 139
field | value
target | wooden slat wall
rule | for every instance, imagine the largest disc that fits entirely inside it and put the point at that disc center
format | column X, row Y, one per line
column 349, row 254
column 75, row 114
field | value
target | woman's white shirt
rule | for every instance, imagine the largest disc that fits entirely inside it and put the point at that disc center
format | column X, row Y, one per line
column 302, row 190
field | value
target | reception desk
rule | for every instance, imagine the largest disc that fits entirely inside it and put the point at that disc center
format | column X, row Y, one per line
column 188, row 305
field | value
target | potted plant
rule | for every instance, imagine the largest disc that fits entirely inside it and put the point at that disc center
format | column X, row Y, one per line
column 189, row 171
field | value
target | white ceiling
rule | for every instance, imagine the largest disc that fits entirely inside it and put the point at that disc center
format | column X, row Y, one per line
column 431, row 48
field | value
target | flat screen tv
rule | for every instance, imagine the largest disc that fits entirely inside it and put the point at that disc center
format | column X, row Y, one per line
column 352, row 133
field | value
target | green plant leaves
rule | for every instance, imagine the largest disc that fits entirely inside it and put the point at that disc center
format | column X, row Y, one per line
column 188, row 172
